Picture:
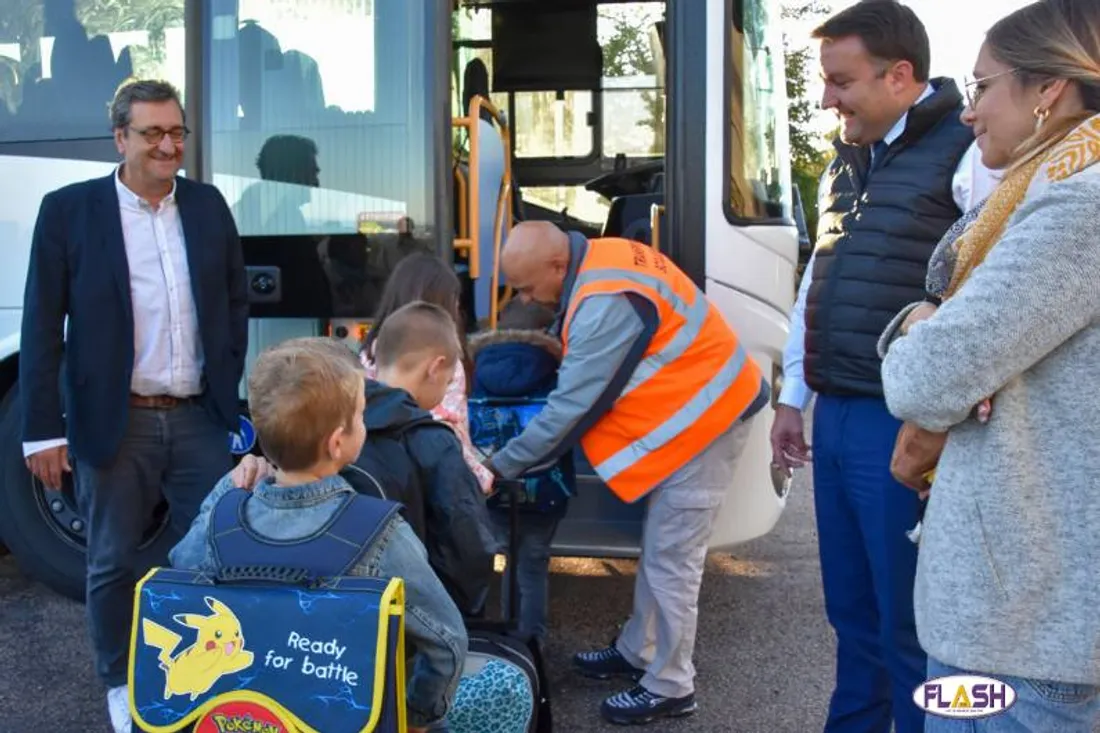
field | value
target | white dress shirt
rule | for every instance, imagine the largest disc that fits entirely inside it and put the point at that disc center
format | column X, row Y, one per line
column 167, row 349
column 971, row 184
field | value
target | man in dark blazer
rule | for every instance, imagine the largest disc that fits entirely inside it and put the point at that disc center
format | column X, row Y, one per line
column 147, row 267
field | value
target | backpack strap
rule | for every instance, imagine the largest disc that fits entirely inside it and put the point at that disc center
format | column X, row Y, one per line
column 333, row 550
column 398, row 432
column 362, row 481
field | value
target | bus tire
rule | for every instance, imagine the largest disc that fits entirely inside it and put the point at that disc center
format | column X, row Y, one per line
column 42, row 541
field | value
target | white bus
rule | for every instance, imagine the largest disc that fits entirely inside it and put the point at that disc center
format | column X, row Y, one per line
column 346, row 133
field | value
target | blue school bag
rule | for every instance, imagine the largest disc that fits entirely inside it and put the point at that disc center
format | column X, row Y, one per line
column 279, row 640
column 496, row 420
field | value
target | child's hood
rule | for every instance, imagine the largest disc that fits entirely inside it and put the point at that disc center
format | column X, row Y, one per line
column 540, row 339
column 514, row 363
column 389, row 407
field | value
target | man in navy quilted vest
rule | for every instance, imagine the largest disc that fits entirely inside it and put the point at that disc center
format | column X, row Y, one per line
column 906, row 168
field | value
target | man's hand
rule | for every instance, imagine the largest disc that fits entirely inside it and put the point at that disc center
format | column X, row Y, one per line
column 922, row 312
column 250, row 471
column 48, row 465
column 789, row 449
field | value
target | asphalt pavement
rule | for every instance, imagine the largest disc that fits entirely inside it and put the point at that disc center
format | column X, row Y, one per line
column 764, row 653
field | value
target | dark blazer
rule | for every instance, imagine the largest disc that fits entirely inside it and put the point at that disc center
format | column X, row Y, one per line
column 78, row 268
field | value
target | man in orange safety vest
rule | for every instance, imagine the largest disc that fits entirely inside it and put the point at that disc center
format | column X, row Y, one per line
column 659, row 392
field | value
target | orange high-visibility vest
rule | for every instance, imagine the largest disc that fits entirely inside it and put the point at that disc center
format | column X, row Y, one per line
column 694, row 380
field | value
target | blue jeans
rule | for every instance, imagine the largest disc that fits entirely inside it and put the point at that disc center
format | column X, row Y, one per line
column 180, row 454
column 868, row 566
column 536, row 533
column 1040, row 705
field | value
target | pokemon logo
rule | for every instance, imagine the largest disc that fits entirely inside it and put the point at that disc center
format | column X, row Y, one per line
column 218, row 650
column 241, row 717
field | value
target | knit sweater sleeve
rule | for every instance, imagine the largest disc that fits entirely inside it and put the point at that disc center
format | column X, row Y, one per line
column 1038, row 286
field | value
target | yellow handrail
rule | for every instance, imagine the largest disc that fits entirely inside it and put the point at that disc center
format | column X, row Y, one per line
column 498, row 240
column 463, row 213
column 468, row 240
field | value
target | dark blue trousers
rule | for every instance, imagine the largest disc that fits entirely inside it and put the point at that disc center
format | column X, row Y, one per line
column 178, row 454
column 867, row 567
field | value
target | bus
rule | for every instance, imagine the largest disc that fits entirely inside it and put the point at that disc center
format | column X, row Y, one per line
column 345, row 134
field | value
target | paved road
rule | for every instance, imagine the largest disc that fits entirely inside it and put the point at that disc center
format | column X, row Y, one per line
column 764, row 655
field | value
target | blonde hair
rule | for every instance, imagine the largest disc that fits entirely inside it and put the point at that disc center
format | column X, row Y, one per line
column 299, row 392
column 1051, row 39
column 415, row 331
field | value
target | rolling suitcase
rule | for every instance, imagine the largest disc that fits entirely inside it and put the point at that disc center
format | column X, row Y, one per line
column 503, row 687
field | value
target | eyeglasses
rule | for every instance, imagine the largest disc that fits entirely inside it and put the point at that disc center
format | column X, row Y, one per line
column 975, row 96
column 153, row 135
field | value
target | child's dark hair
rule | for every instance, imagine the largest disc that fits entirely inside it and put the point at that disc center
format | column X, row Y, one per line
column 419, row 277
column 522, row 316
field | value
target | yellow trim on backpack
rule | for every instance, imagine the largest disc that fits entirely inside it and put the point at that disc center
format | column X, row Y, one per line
column 392, row 605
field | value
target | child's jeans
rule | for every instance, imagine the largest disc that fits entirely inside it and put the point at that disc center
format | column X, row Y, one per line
column 1059, row 707
column 536, row 532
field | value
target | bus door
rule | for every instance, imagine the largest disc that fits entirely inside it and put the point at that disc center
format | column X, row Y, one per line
column 742, row 210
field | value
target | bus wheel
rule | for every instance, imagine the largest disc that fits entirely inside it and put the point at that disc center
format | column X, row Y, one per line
column 42, row 527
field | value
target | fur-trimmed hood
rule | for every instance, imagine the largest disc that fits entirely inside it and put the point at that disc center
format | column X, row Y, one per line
column 514, row 336
column 514, row 363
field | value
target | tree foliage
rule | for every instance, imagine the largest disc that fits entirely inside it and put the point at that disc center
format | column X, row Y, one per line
column 808, row 158
column 627, row 53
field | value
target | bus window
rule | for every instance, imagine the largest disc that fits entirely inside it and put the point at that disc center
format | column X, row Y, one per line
column 633, row 95
column 553, row 124
column 758, row 178
column 547, row 124
column 575, row 134
column 575, row 201
column 60, row 63
column 320, row 127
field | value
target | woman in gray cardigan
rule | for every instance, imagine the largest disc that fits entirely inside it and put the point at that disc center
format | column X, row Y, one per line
column 1008, row 577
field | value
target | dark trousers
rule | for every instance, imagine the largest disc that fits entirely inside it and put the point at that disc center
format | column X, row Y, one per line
column 868, row 567
column 178, row 454
column 536, row 535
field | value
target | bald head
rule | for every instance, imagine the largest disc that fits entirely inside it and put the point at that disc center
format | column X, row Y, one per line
column 535, row 260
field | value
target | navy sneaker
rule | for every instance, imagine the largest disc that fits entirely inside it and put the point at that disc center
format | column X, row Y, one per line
column 603, row 664
column 639, row 706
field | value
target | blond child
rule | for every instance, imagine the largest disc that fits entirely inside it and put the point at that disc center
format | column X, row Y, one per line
column 307, row 400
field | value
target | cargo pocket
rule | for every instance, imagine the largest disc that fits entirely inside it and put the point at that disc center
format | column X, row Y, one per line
column 694, row 496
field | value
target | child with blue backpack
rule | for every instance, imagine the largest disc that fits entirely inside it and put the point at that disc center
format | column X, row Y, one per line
column 307, row 399
column 515, row 369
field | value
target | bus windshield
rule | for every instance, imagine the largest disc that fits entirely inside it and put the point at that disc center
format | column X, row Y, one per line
column 319, row 127
column 315, row 118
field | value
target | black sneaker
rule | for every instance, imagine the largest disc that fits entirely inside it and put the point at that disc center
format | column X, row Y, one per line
column 639, row 706
column 603, row 664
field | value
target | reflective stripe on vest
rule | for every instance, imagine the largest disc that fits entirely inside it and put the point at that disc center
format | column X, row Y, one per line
column 694, row 380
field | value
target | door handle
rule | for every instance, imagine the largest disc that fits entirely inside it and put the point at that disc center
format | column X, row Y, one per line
column 655, row 211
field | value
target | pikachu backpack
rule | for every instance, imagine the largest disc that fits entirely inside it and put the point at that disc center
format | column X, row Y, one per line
column 279, row 640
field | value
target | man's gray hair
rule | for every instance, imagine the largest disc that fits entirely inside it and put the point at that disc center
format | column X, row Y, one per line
column 141, row 90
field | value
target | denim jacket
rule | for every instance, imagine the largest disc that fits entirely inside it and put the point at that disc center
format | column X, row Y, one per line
column 432, row 622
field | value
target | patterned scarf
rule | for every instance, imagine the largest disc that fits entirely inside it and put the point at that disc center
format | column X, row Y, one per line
column 1072, row 154
column 981, row 228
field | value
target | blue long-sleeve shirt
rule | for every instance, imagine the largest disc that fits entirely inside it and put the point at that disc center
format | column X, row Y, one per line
column 608, row 336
